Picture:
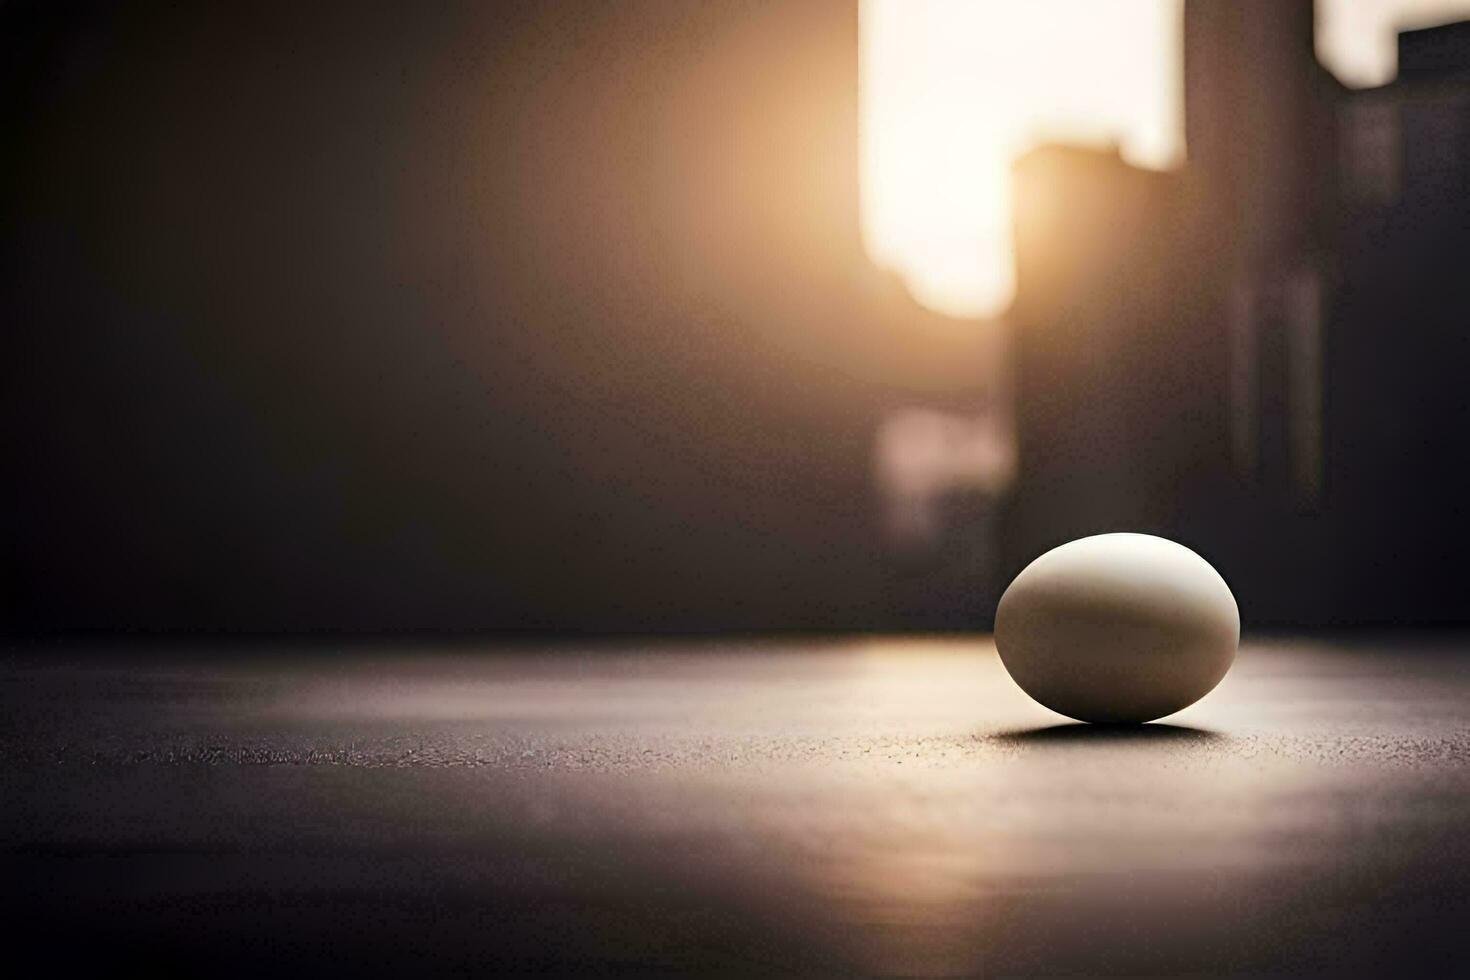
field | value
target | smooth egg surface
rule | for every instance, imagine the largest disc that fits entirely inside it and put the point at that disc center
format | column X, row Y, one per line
column 1117, row 628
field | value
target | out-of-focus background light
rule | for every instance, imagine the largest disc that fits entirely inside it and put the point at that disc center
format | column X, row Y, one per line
column 953, row 90
column 1356, row 38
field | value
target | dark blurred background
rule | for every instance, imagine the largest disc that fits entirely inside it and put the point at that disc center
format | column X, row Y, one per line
column 557, row 316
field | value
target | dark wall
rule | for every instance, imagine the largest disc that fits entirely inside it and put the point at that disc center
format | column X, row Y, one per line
column 364, row 315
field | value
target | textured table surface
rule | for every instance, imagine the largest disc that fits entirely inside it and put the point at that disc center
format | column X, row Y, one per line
column 869, row 806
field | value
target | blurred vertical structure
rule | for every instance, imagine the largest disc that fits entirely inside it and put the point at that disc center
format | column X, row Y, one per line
column 1258, row 127
column 1398, row 348
column 1258, row 136
column 1094, row 243
column 1261, row 355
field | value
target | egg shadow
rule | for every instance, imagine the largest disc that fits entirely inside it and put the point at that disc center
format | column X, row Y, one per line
column 1076, row 733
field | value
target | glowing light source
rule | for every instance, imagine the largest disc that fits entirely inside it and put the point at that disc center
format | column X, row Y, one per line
column 953, row 90
column 1356, row 38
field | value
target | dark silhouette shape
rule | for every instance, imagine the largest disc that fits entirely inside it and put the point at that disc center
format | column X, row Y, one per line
column 1262, row 355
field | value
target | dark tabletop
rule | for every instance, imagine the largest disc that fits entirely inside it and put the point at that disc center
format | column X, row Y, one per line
column 890, row 807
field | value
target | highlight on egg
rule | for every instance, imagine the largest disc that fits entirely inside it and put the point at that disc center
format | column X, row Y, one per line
column 1117, row 628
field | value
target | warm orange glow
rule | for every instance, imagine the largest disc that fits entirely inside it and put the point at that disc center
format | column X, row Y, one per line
column 953, row 90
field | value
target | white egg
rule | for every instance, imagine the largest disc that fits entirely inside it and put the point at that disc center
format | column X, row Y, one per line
column 1117, row 628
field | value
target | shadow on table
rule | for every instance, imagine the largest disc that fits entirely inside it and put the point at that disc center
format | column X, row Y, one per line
column 1080, row 732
